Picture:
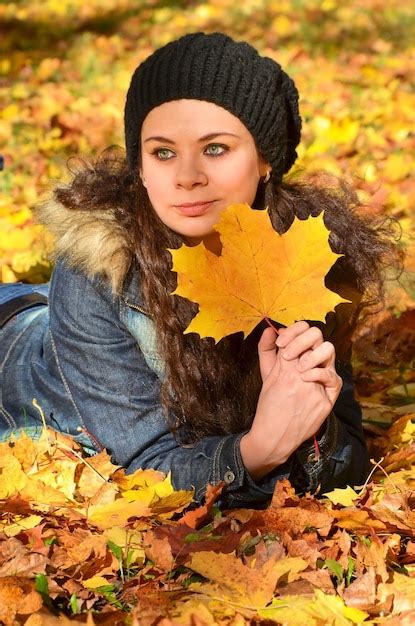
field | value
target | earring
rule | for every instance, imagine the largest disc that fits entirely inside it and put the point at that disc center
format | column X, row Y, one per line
column 144, row 183
column 267, row 177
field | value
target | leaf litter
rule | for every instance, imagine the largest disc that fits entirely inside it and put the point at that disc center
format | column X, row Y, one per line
column 82, row 541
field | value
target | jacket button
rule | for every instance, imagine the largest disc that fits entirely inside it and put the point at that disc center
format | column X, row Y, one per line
column 229, row 477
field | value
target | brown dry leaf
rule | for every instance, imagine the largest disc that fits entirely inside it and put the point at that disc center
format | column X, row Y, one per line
column 319, row 578
column 158, row 549
column 373, row 556
column 16, row 559
column 17, row 597
column 310, row 514
column 44, row 618
column 195, row 518
column 361, row 593
column 402, row 588
column 259, row 274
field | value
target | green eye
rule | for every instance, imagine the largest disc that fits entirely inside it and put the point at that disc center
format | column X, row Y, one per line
column 163, row 154
column 215, row 149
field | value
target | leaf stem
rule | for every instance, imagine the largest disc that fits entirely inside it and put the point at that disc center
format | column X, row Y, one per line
column 268, row 321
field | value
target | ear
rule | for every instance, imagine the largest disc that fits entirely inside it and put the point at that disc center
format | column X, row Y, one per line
column 264, row 167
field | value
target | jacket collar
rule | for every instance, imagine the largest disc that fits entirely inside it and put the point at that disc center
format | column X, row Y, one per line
column 95, row 242
column 131, row 292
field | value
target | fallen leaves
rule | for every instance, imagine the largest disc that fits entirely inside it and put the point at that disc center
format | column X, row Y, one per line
column 347, row 558
column 239, row 584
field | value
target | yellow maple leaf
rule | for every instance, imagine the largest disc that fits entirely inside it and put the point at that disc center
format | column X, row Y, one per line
column 322, row 609
column 148, row 498
column 346, row 496
column 95, row 582
column 234, row 582
column 13, row 478
column 259, row 274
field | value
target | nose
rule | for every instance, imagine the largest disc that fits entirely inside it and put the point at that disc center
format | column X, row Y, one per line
column 190, row 174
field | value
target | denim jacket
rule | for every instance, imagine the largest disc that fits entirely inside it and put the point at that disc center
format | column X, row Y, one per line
column 90, row 360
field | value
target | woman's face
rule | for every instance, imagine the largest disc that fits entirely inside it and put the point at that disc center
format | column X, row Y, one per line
column 197, row 159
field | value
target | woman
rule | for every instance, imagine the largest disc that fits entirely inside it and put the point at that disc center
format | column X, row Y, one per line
column 208, row 122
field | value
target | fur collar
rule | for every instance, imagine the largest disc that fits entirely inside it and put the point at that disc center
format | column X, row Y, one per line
column 92, row 241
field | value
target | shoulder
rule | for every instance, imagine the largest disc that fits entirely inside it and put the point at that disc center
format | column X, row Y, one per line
column 91, row 242
column 70, row 283
column 73, row 290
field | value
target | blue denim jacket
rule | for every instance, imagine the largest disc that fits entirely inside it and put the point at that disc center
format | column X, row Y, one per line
column 89, row 358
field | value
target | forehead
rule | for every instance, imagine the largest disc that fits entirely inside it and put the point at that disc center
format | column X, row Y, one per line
column 192, row 117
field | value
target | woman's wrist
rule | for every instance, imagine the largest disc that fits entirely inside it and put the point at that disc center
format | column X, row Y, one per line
column 252, row 453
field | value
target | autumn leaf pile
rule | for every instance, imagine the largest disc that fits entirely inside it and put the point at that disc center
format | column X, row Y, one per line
column 78, row 535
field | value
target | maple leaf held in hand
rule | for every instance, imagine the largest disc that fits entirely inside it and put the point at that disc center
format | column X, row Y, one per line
column 258, row 274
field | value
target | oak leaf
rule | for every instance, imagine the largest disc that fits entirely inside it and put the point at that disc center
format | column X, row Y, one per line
column 258, row 274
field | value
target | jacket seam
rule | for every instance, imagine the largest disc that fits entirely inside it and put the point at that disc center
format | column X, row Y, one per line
column 65, row 384
column 9, row 420
column 216, row 458
column 11, row 348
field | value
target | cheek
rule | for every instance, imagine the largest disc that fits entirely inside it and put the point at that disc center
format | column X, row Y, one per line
column 240, row 176
column 158, row 181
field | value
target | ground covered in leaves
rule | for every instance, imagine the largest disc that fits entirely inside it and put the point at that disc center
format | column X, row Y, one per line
column 80, row 539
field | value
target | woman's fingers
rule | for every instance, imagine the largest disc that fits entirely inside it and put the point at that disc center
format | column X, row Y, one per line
column 286, row 335
column 308, row 339
column 322, row 356
column 267, row 352
column 327, row 376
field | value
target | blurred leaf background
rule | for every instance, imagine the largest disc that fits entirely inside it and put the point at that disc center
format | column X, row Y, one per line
column 65, row 66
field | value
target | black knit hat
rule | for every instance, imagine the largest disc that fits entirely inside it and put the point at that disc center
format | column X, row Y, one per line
column 231, row 74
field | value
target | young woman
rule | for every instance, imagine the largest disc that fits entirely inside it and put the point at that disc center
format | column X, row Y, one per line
column 208, row 122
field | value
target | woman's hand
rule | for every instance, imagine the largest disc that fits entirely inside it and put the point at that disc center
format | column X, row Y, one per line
column 300, row 387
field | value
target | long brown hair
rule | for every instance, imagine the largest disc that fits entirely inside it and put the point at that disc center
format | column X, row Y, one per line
column 213, row 389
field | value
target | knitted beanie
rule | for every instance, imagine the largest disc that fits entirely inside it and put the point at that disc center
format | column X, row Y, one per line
column 231, row 74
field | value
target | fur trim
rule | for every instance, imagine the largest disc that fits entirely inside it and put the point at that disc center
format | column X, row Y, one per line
column 90, row 240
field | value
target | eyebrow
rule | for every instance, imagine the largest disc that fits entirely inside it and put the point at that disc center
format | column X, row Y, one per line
column 204, row 138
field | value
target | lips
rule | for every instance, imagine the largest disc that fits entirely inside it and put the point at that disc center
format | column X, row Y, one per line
column 194, row 209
